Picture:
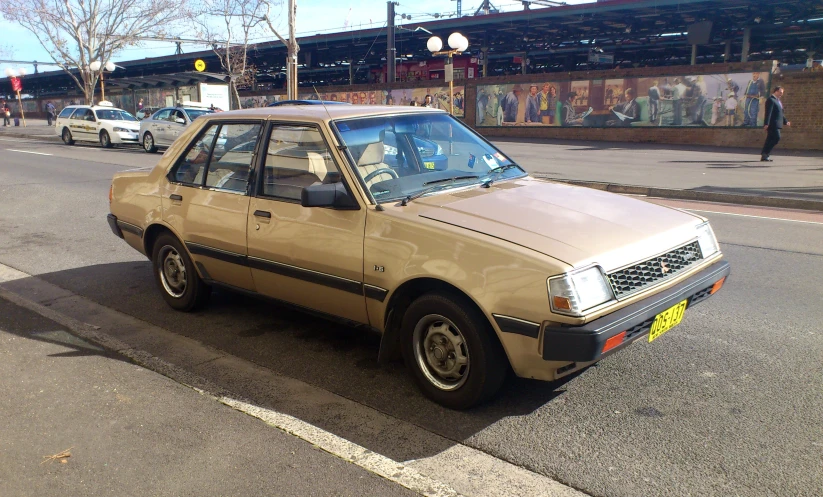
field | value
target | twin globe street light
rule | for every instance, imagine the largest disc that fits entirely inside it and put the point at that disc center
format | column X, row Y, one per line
column 17, row 86
column 458, row 44
column 96, row 66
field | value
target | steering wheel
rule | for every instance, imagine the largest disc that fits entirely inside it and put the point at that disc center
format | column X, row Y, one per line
column 380, row 171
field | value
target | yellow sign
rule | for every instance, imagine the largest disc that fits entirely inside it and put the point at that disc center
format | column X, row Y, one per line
column 200, row 65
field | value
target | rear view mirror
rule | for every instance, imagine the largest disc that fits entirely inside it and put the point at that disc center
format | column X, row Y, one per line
column 332, row 195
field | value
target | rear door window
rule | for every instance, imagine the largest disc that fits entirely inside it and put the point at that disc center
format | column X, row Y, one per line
column 66, row 112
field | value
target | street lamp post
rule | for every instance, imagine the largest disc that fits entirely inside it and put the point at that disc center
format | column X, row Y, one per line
column 97, row 66
column 14, row 76
column 458, row 44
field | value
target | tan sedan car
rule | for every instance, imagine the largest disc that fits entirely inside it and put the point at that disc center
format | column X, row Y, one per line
column 404, row 219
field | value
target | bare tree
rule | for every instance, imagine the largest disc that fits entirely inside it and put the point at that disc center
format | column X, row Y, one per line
column 291, row 45
column 79, row 32
column 235, row 23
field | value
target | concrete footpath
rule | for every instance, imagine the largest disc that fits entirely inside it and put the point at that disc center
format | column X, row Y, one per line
column 77, row 419
column 712, row 174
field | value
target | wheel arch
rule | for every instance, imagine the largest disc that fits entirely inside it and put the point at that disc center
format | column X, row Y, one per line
column 400, row 300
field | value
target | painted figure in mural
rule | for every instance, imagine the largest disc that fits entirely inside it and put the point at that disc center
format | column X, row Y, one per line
column 498, row 116
column 731, row 108
column 428, row 101
column 482, row 102
column 548, row 103
column 699, row 92
column 654, row 101
column 678, row 92
column 458, row 101
column 570, row 117
column 732, row 87
column 510, row 104
column 774, row 121
column 625, row 113
column 755, row 90
column 532, row 106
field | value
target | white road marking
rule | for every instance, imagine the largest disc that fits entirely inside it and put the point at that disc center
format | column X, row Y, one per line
column 346, row 450
column 26, row 151
column 754, row 217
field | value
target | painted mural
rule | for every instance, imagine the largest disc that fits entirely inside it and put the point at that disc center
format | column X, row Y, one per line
column 403, row 96
column 728, row 100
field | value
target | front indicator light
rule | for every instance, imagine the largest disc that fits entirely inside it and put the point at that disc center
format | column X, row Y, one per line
column 718, row 285
column 562, row 303
column 614, row 342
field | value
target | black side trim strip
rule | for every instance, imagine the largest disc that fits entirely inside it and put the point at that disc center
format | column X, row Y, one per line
column 136, row 230
column 517, row 326
column 375, row 292
column 112, row 220
column 221, row 255
column 328, row 280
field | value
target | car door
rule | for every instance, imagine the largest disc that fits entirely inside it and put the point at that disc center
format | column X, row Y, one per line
column 82, row 125
column 157, row 126
column 173, row 127
column 309, row 256
column 206, row 200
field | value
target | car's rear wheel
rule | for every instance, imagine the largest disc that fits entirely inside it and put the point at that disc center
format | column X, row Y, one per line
column 105, row 139
column 181, row 286
column 67, row 139
column 148, row 143
column 452, row 351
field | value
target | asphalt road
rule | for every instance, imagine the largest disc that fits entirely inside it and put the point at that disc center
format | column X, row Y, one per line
column 728, row 403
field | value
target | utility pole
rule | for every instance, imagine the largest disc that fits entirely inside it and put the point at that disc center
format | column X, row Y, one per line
column 391, row 50
column 291, row 70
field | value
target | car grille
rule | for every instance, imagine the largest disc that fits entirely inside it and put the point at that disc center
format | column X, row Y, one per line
column 634, row 278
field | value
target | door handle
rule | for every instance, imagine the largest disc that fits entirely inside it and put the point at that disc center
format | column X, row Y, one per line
column 265, row 214
column 176, row 197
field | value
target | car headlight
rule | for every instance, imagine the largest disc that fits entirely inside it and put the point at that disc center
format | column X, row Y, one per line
column 123, row 130
column 575, row 292
column 706, row 240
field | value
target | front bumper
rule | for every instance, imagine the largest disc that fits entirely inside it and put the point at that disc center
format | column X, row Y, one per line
column 585, row 343
column 123, row 137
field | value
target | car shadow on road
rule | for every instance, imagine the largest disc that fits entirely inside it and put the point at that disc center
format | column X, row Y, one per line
column 334, row 357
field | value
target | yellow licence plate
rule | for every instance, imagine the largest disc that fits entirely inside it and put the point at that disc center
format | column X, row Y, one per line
column 667, row 320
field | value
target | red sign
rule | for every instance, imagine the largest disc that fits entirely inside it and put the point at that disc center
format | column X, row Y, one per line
column 16, row 84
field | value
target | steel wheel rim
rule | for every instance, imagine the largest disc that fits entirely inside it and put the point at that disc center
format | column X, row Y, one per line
column 441, row 352
column 148, row 142
column 104, row 139
column 172, row 272
column 66, row 136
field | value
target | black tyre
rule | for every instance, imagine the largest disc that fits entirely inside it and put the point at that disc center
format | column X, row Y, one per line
column 67, row 139
column 452, row 351
column 148, row 143
column 105, row 139
column 176, row 276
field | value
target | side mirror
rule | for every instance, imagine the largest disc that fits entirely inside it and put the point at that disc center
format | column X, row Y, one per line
column 327, row 195
column 179, row 120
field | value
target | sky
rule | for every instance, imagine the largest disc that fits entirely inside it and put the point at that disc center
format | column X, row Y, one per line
column 313, row 17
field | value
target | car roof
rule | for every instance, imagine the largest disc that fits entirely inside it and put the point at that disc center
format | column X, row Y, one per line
column 93, row 107
column 321, row 112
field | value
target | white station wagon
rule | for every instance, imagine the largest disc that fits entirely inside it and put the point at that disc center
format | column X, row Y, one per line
column 103, row 123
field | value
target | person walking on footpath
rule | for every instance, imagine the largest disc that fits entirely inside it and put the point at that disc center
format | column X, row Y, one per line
column 51, row 111
column 774, row 122
column 6, row 111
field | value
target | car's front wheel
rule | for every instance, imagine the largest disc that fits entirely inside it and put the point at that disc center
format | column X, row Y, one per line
column 67, row 139
column 105, row 139
column 148, row 143
column 452, row 351
column 181, row 286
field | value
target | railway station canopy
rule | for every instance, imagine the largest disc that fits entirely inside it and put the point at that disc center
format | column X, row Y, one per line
column 596, row 35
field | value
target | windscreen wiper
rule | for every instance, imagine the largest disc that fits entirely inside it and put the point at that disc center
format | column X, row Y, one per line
column 430, row 189
column 494, row 172
column 453, row 178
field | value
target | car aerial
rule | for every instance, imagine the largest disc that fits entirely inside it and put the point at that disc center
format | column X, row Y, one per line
column 467, row 270
column 103, row 123
column 165, row 125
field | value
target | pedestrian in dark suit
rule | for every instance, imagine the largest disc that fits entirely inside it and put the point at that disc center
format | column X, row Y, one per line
column 773, row 122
